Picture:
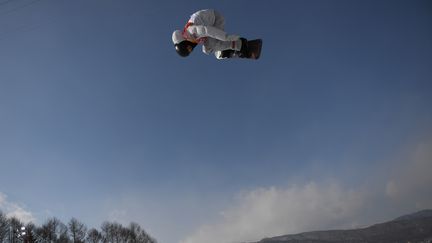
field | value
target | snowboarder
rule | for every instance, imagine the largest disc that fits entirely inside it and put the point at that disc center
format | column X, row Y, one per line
column 206, row 27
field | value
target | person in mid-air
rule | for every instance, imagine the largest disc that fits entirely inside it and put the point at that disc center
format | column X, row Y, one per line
column 206, row 27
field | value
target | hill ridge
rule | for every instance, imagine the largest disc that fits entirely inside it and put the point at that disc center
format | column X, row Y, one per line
column 413, row 228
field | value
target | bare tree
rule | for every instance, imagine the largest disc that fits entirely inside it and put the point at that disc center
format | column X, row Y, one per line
column 112, row 232
column 46, row 232
column 94, row 236
column 4, row 227
column 62, row 232
column 14, row 229
column 77, row 231
column 139, row 235
column 116, row 233
column 53, row 231
column 30, row 233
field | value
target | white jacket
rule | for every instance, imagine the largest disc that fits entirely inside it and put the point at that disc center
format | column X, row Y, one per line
column 207, row 27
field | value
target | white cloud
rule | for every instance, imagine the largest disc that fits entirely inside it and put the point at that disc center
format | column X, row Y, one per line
column 12, row 209
column 391, row 189
column 411, row 182
column 275, row 211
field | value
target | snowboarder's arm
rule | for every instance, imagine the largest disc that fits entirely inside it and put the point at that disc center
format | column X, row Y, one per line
column 208, row 31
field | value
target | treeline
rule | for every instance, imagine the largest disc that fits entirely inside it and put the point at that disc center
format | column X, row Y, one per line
column 12, row 230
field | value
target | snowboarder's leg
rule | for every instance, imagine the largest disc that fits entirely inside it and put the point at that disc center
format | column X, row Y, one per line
column 218, row 45
column 219, row 21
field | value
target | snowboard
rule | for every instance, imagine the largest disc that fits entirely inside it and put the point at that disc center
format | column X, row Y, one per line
column 253, row 47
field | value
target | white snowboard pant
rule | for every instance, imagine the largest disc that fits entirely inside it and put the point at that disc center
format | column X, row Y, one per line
column 217, row 46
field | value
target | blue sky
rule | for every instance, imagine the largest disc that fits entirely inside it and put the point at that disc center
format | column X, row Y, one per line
column 101, row 120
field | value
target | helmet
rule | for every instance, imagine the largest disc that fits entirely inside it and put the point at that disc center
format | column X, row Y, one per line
column 177, row 37
column 183, row 47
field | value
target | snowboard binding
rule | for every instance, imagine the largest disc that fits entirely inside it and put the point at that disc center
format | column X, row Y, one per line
column 250, row 50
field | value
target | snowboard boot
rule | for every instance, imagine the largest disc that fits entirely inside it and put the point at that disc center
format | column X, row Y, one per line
column 227, row 54
column 244, row 51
